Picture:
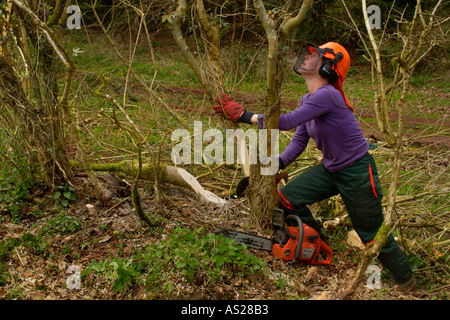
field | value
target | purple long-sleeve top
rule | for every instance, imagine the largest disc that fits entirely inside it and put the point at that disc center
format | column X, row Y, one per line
column 324, row 117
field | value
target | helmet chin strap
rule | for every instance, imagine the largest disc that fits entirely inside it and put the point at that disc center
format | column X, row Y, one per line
column 314, row 81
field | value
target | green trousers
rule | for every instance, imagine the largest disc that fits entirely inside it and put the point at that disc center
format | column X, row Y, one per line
column 360, row 190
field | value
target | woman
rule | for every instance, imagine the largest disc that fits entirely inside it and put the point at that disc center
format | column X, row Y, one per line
column 325, row 115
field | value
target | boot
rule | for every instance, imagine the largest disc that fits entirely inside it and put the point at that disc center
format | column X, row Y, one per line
column 409, row 284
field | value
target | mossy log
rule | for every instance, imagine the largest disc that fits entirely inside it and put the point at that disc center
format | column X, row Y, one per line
column 168, row 174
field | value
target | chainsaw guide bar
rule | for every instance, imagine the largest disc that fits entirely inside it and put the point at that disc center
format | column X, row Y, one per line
column 247, row 239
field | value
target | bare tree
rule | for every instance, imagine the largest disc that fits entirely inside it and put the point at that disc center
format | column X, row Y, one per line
column 417, row 38
column 38, row 110
column 50, row 114
column 262, row 190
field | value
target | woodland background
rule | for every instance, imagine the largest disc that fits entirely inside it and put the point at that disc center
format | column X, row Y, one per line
column 86, row 117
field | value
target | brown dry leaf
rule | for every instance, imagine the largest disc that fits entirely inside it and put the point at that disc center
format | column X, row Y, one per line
column 104, row 238
column 251, row 292
column 354, row 240
column 62, row 292
column 37, row 295
column 254, row 277
column 323, row 296
column 68, row 238
column 195, row 295
column 219, row 290
column 27, row 273
column 312, row 271
column 52, row 285
column 12, row 235
column 62, row 265
column 51, row 296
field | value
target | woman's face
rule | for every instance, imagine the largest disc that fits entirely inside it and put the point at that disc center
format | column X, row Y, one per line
column 308, row 62
column 311, row 64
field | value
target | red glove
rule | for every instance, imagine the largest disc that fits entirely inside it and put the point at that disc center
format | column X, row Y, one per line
column 232, row 110
column 281, row 176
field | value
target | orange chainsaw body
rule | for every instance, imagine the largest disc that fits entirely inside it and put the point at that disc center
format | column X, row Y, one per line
column 313, row 249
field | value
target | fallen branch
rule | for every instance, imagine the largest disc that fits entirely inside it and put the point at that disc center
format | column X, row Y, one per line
column 169, row 174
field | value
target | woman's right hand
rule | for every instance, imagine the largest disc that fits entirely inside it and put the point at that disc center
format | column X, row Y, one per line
column 231, row 109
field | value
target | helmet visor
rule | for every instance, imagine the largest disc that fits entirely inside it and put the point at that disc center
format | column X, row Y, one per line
column 308, row 59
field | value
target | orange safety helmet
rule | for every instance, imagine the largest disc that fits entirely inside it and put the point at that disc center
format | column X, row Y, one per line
column 336, row 66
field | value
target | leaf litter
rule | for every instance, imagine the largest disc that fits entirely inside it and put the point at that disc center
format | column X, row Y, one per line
column 119, row 234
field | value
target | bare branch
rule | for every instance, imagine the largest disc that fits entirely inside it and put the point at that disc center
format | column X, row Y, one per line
column 289, row 23
column 57, row 46
column 174, row 19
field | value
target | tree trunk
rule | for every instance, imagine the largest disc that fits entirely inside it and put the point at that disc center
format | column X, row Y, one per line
column 40, row 131
column 262, row 193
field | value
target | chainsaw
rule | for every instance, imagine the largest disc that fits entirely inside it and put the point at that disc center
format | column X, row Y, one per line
column 293, row 243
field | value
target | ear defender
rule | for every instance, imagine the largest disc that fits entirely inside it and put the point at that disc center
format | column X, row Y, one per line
column 327, row 69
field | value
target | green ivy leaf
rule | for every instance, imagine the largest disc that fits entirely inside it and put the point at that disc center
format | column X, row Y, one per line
column 70, row 196
column 220, row 260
